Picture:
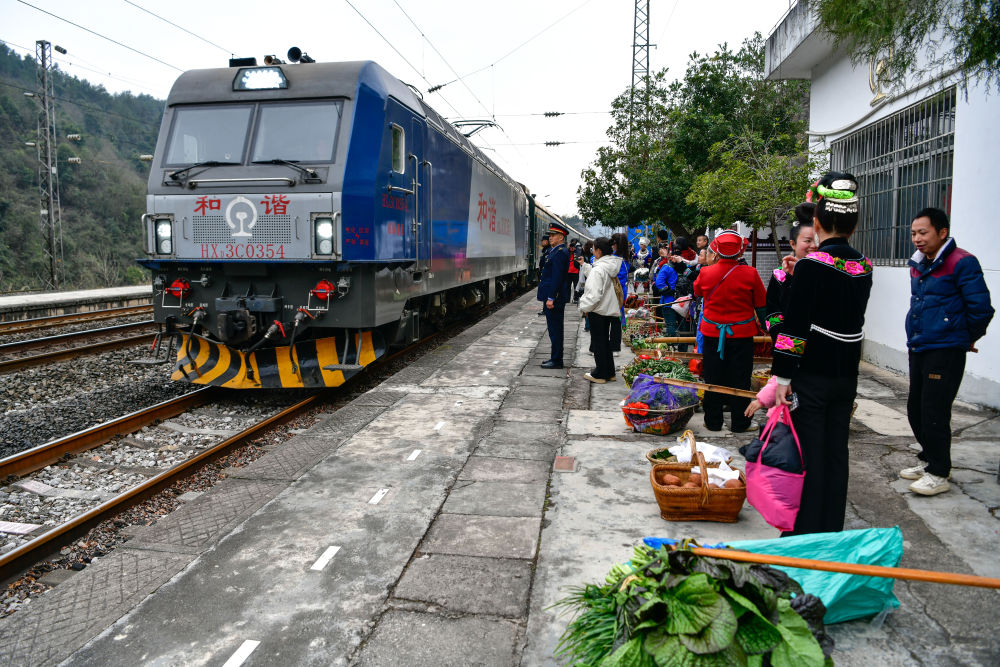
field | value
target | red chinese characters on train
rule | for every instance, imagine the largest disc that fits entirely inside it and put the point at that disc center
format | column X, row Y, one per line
column 483, row 214
column 275, row 205
column 353, row 236
column 206, row 203
column 488, row 214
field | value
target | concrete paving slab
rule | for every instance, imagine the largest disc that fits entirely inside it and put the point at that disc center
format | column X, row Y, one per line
column 872, row 389
column 493, row 586
column 496, row 498
column 543, row 410
column 520, row 440
column 981, row 455
column 414, row 638
column 538, row 381
column 983, row 488
column 596, row 422
column 960, row 521
column 475, row 366
column 882, row 419
column 985, row 430
column 488, row 469
column 487, row 536
column 533, row 398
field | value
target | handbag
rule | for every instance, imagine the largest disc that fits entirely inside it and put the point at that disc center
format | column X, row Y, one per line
column 681, row 307
column 775, row 493
column 618, row 291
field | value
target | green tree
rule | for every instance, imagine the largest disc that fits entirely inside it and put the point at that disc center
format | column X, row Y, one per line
column 936, row 36
column 647, row 171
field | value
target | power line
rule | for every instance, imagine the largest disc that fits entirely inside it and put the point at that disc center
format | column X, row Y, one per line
column 229, row 51
column 550, row 114
column 71, row 63
column 434, row 89
column 97, row 34
column 86, row 106
column 445, row 60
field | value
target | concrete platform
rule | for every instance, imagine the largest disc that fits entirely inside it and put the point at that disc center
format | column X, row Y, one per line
column 45, row 304
column 423, row 524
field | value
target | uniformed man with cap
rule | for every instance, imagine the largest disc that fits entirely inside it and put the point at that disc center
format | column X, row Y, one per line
column 553, row 291
column 733, row 294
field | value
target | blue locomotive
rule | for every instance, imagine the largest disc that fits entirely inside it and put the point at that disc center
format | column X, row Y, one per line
column 303, row 218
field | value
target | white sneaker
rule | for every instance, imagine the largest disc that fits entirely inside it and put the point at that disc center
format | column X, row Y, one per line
column 916, row 472
column 930, row 485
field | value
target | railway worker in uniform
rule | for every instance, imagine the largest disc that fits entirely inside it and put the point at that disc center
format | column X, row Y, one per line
column 803, row 243
column 541, row 262
column 732, row 294
column 816, row 355
column 553, row 291
column 949, row 311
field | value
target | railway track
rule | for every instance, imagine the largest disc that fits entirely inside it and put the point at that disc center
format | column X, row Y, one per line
column 40, row 323
column 17, row 355
column 80, row 447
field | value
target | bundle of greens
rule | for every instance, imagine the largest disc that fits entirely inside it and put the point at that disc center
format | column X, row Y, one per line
column 670, row 608
column 645, row 344
column 670, row 368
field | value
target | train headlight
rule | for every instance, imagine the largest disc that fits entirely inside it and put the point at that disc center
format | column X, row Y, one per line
column 323, row 234
column 164, row 236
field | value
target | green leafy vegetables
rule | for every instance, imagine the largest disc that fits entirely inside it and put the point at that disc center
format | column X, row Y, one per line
column 675, row 609
column 670, row 368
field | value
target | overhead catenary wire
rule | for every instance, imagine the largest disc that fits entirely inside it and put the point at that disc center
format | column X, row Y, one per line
column 538, row 34
column 104, row 37
column 209, row 42
column 71, row 63
column 85, row 106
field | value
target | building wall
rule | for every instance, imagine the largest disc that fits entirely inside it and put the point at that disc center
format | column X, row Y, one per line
column 840, row 104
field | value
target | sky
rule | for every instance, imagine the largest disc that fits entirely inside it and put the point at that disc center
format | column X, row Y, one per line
column 517, row 59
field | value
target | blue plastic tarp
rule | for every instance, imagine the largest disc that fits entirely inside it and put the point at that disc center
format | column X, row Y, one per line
column 846, row 596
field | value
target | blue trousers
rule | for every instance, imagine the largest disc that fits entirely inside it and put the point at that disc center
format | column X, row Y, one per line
column 554, row 318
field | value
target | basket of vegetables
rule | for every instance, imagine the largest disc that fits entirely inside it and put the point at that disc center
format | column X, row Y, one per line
column 684, row 493
column 658, row 409
column 668, row 367
column 663, row 455
column 644, row 346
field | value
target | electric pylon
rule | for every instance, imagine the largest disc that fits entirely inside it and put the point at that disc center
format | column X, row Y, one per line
column 50, row 218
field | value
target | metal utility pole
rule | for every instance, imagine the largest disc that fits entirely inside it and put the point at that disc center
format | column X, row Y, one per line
column 48, row 177
column 640, row 62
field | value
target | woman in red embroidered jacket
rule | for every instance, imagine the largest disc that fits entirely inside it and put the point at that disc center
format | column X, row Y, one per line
column 803, row 242
column 734, row 298
column 816, row 354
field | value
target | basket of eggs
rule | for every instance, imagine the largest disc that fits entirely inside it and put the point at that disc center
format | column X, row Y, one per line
column 684, row 493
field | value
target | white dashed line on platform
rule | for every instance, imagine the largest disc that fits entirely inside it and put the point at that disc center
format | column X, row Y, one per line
column 486, row 372
column 325, row 558
column 414, row 455
column 378, row 496
column 242, row 653
column 439, row 426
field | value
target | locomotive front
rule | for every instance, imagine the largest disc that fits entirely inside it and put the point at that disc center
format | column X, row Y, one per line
column 251, row 281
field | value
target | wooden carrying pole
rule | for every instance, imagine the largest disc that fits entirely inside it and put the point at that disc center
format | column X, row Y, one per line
column 852, row 568
column 691, row 339
column 692, row 355
column 717, row 388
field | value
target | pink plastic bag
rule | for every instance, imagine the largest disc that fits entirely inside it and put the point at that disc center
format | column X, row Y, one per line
column 773, row 492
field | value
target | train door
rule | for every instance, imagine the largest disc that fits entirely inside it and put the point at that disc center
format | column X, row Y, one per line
column 405, row 186
column 423, row 200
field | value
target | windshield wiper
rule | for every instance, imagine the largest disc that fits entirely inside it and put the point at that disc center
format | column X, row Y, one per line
column 311, row 175
column 174, row 176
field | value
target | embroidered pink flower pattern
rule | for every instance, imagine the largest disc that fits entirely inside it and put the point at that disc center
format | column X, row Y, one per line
column 790, row 344
column 824, row 257
column 854, row 268
column 780, row 275
column 784, row 343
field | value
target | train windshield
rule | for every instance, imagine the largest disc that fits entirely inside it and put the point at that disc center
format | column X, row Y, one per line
column 203, row 134
column 297, row 132
column 303, row 132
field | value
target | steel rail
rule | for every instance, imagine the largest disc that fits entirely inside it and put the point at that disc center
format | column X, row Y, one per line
column 23, row 557
column 22, row 326
column 36, row 343
column 36, row 458
column 61, row 355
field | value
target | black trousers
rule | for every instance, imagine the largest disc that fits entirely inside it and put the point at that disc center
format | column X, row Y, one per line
column 601, row 327
column 935, row 376
column 822, row 422
column 574, row 278
column 554, row 320
column 732, row 370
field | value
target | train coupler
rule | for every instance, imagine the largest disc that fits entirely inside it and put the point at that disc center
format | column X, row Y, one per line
column 155, row 360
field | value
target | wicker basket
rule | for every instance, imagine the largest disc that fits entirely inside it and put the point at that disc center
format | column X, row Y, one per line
column 651, row 455
column 698, row 504
column 758, row 379
column 660, row 422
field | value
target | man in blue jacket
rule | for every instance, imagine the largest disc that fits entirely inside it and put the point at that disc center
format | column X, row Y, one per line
column 949, row 311
column 553, row 291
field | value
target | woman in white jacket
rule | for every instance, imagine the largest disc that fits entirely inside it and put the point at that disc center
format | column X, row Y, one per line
column 600, row 306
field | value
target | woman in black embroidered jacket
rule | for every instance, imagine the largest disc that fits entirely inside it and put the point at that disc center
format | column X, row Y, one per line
column 803, row 242
column 817, row 352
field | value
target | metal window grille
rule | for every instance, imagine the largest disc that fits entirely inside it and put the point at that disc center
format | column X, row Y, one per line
column 903, row 163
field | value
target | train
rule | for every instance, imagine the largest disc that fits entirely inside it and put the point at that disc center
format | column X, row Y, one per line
column 303, row 218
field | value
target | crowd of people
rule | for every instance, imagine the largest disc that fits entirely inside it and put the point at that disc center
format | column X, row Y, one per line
column 813, row 309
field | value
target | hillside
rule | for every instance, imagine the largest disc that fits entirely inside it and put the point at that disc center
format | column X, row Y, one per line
column 103, row 197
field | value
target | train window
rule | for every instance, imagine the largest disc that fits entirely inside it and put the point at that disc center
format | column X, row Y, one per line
column 302, row 132
column 398, row 149
column 201, row 134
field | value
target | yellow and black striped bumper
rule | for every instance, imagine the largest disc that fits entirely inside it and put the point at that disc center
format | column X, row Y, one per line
column 201, row 361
